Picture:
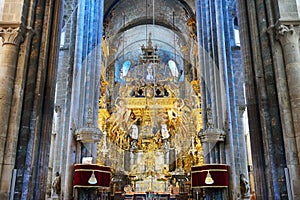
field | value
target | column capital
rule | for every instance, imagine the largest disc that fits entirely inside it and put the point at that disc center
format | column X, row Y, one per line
column 12, row 33
column 287, row 34
column 287, row 31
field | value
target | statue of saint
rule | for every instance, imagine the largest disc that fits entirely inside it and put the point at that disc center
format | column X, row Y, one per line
column 57, row 184
column 134, row 132
column 244, row 184
column 164, row 132
column 149, row 76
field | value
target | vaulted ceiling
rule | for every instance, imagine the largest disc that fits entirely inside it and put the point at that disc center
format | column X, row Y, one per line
column 128, row 24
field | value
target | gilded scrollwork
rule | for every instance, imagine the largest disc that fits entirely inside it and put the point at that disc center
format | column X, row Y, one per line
column 150, row 115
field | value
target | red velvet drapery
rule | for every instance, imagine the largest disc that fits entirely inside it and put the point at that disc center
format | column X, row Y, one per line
column 84, row 171
column 219, row 174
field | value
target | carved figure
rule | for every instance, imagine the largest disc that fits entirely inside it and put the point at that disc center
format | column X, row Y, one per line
column 134, row 132
column 149, row 76
column 244, row 184
column 164, row 131
column 177, row 117
column 120, row 117
column 56, row 185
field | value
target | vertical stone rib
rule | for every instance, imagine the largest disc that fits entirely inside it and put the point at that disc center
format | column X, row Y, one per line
column 75, row 102
column 97, row 61
column 212, row 64
column 227, row 82
column 252, row 104
column 201, row 55
column 65, row 131
column 263, row 109
column 47, row 88
column 275, row 135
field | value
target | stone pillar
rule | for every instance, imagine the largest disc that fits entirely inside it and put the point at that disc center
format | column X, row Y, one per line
column 12, row 35
column 289, row 39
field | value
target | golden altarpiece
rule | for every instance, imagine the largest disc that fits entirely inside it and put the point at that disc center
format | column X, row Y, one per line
column 150, row 129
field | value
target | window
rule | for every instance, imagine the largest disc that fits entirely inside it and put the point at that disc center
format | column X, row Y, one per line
column 173, row 68
column 125, row 69
column 237, row 37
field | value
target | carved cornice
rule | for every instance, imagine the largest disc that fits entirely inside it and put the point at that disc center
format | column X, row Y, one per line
column 287, row 22
column 12, row 33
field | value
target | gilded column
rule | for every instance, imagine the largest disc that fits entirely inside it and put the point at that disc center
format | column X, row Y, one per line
column 12, row 36
column 289, row 39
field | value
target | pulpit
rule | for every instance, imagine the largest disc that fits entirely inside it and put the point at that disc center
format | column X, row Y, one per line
column 210, row 176
column 90, row 175
column 91, row 180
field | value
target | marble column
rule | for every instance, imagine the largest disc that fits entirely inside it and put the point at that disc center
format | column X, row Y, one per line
column 12, row 36
column 289, row 39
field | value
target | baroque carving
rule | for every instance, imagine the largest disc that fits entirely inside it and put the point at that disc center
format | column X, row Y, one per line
column 191, row 22
column 151, row 116
column 12, row 33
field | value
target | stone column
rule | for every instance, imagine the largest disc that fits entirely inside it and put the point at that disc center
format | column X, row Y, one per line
column 12, row 36
column 289, row 39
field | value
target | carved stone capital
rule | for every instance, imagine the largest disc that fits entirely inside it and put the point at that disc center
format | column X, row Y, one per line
column 12, row 33
column 287, row 34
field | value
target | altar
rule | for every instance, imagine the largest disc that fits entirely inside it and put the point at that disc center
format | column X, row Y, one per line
column 147, row 195
column 151, row 184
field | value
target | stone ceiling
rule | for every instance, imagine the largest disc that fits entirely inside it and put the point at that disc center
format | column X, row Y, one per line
column 127, row 24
